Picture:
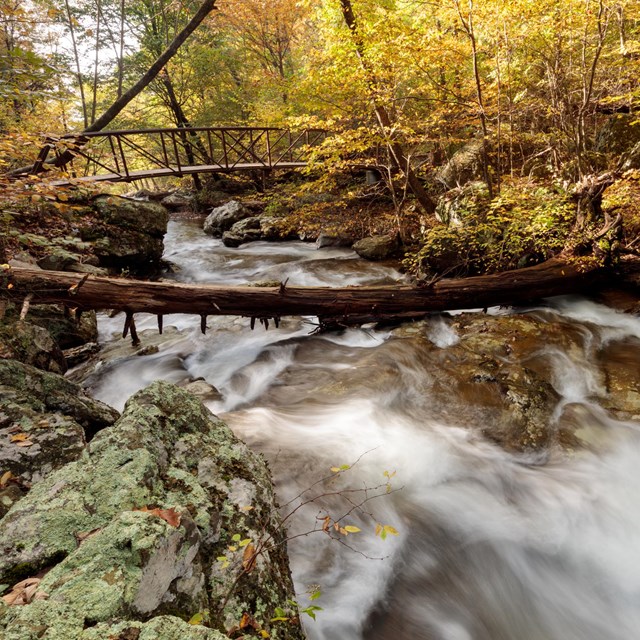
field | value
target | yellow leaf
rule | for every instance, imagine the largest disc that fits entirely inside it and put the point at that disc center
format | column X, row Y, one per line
column 378, row 528
column 391, row 530
column 19, row 437
column 264, row 634
column 244, row 543
column 335, row 469
column 197, row 618
column 5, row 478
column 351, row 529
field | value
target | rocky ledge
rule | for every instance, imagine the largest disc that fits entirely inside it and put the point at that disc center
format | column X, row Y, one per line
column 165, row 526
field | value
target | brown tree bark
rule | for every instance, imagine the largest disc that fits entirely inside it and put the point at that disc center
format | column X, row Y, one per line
column 351, row 305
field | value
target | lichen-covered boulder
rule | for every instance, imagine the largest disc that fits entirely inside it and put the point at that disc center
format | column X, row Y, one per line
column 31, row 345
column 376, row 247
column 464, row 165
column 66, row 330
column 45, row 422
column 222, row 218
column 166, row 513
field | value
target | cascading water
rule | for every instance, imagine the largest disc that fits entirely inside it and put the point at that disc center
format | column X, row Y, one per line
column 492, row 545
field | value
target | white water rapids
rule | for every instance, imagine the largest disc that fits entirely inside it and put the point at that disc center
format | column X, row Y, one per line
column 491, row 545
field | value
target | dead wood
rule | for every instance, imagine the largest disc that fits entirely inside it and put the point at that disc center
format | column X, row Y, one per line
column 350, row 305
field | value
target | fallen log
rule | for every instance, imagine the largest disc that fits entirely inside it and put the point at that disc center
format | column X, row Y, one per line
column 350, row 305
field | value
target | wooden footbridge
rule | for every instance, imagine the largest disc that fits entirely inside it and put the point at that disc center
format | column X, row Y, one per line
column 135, row 154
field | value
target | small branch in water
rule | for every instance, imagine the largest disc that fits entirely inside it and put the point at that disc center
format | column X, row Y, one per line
column 203, row 324
column 160, row 321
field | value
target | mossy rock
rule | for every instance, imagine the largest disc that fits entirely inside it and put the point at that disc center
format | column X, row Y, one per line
column 167, row 452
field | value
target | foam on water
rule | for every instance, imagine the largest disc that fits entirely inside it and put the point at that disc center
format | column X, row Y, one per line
column 491, row 546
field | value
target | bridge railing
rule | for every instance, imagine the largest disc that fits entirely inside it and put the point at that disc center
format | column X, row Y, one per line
column 130, row 154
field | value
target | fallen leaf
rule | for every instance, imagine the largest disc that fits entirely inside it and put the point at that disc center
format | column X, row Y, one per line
column 170, row 516
column 249, row 558
column 197, row 618
column 19, row 437
column 6, row 477
column 25, row 443
column 248, row 621
column 24, row 592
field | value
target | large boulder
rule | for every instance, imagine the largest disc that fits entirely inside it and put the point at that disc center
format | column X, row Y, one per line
column 166, row 513
column 222, row 218
column 377, row 247
column 66, row 330
column 465, row 165
column 128, row 234
column 246, row 230
column 32, row 345
column 45, row 423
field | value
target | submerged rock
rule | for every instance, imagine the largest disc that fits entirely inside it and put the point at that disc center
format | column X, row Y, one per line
column 166, row 513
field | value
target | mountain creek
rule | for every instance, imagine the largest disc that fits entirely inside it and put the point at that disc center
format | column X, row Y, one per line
column 503, row 448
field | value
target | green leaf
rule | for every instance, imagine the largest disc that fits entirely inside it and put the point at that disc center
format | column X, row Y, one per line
column 197, row 618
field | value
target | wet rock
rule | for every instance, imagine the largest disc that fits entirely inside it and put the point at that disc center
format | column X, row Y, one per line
column 334, row 240
column 161, row 516
column 202, row 389
column 376, row 247
column 465, row 165
column 130, row 234
column 620, row 362
column 222, row 218
column 247, row 230
column 31, row 345
column 177, row 200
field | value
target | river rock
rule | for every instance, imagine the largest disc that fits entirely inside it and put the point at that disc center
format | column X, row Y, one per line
column 247, row 230
column 45, row 422
column 130, row 233
column 620, row 362
column 31, row 345
column 222, row 218
column 166, row 513
column 334, row 240
column 376, row 247
column 58, row 260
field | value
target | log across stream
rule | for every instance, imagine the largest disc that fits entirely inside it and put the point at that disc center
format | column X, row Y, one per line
column 347, row 305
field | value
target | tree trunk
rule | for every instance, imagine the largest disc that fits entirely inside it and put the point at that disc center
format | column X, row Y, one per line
column 65, row 157
column 399, row 159
column 352, row 305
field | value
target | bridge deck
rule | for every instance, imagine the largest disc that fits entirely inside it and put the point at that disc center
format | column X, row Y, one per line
column 182, row 171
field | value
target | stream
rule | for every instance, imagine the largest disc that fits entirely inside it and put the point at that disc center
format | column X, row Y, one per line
column 491, row 544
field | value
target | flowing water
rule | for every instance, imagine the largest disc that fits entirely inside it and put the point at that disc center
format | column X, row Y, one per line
column 491, row 545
